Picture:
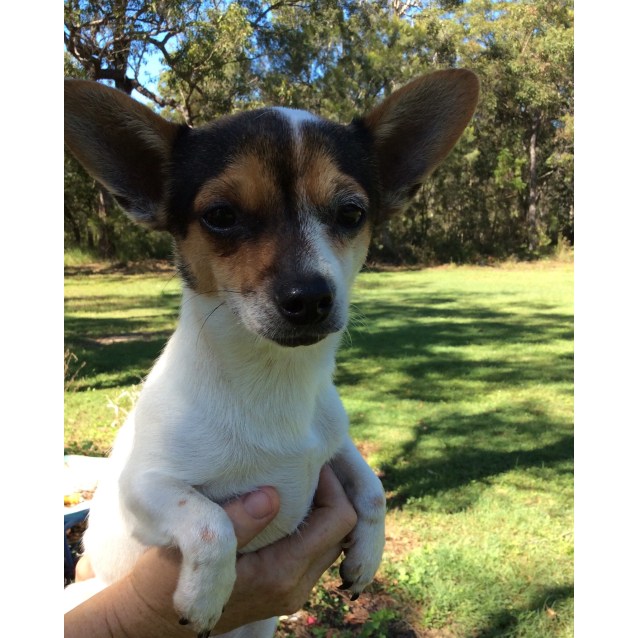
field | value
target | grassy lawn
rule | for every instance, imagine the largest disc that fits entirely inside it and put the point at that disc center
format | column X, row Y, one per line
column 459, row 384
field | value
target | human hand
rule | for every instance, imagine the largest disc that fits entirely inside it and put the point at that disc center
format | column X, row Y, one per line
column 274, row 580
column 278, row 578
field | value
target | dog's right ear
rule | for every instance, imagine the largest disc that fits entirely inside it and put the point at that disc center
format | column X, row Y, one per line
column 416, row 127
column 122, row 144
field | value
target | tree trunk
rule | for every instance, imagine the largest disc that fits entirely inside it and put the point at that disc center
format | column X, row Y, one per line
column 532, row 212
column 104, row 208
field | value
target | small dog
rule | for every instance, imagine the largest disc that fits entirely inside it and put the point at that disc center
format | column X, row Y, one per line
column 271, row 212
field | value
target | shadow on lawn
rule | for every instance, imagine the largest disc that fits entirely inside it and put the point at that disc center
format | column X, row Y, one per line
column 442, row 355
column 436, row 483
column 121, row 349
column 504, row 622
column 122, row 363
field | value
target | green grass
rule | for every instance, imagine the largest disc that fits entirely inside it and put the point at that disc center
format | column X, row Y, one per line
column 116, row 325
column 459, row 384
column 460, row 381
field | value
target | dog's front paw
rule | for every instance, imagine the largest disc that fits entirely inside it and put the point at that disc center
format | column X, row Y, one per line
column 364, row 548
column 207, row 576
column 202, row 592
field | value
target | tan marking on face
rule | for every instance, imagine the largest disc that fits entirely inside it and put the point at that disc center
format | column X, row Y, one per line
column 243, row 266
column 323, row 186
column 321, row 181
column 250, row 266
column 248, row 186
column 247, row 183
column 196, row 253
column 242, row 272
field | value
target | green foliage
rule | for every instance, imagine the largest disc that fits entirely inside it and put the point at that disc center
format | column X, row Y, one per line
column 379, row 625
column 209, row 68
column 505, row 191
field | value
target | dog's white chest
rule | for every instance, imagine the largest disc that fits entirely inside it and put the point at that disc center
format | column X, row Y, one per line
column 294, row 475
column 226, row 446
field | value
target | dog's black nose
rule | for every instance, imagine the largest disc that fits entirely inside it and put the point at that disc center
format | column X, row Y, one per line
column 304, row 302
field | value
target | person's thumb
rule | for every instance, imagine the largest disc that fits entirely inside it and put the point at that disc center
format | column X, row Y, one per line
column 252, row 512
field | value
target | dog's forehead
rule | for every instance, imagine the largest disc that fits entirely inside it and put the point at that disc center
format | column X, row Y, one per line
column 280, row 139
column 296, row 117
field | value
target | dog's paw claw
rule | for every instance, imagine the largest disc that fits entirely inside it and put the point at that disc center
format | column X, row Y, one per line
column 183, row 621
column 345, row 585
column 354, row 597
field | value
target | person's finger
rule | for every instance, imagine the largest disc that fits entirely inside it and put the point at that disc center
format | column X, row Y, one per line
column 249, row 513
column 330, row 491
column 84, row 569
column 332, row 511
column 327, row 526
column 252, row 512
column 305, row 555
column 278, row 578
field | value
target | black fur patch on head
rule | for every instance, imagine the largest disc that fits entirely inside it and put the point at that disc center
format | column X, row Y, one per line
column 201, row 154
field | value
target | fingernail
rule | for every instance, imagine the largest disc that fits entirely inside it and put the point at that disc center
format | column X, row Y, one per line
column 258, row 504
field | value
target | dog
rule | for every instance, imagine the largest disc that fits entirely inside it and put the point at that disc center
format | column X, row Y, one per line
column 271, row 212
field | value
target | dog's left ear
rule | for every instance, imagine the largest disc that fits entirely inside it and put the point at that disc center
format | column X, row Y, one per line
column 416, row 127
column 123, row 144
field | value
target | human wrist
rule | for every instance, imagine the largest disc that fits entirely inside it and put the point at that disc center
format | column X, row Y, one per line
column 135, row 611
column 115, row 612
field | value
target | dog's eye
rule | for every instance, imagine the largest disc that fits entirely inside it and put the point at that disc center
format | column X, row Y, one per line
column 350, row 216
column 220, row 218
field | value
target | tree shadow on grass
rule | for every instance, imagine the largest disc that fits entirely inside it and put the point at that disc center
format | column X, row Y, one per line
column 439, row 353
column 117, row 364
column 435, row 483
column 121, row 349
column 424, row 337
column 504, row 622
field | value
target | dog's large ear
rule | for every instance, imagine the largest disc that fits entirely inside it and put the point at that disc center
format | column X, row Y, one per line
column 121, row 143
column 416, row 127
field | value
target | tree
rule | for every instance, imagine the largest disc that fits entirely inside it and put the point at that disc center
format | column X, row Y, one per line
column 524, row 51
column 113, row 39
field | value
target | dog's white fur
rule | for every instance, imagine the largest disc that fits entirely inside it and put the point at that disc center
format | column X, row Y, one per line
column 225, row 410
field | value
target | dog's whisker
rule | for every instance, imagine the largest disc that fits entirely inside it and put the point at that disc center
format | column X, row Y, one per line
column 195, row 295
column 238, row 292
column 357, row 317
column 208, row 316
column 169, row 280
column 213, row 291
